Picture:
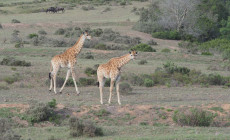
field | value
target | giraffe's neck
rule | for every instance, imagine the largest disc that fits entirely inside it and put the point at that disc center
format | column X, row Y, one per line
column 123, row 60
column 78, row 45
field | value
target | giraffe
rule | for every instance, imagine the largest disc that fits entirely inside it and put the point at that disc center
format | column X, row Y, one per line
column 67, row 59
column 112, row 70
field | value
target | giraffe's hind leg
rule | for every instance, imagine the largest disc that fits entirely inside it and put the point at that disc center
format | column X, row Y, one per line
column 67, row 77
column 117, row 89
column 111, row 90
column 51, row 82
column 101, row 81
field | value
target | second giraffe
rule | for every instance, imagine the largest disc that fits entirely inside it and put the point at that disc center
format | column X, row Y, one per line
column 112, row 70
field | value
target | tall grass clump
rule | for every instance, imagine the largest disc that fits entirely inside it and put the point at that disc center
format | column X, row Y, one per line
column 6, row 132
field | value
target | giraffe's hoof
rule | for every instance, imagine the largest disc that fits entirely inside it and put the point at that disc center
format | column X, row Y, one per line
column 49, row 90
column 102, row 103
column 60, row 92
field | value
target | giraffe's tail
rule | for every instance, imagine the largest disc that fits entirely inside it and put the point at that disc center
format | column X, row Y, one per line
column 50, row 72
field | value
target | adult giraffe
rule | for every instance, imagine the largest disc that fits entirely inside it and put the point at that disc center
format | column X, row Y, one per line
column 67, row 59
column 112, row 70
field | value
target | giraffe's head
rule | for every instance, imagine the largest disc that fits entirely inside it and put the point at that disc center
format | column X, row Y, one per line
column 133, row 54
column 86, row 34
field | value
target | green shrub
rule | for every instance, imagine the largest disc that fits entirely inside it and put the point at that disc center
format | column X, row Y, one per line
column 220, row 109
column 33, row 35
column 42, row 32
column 148, row 82
column 86, row 81
column 3, row 87
column 59, row 43
column 123, row 3
column 174, row 35
column 97, row 32
column 170, row 68
column 101, row 47
column 53, row 103
column 90, row 71
column 10, row 61
column 144, row 48
column 166, row 50
column 83, row 128
column 6, row 132
column 89, row 56
column 125, row 88
column 193, row 117
column 191, row 47
column 215, row 79
column 206, row 53
column 39, row 112
column 60, row 31
column 15, row 21
column 142, row 62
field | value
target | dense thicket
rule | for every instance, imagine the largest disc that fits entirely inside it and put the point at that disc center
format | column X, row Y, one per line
column 199, row 20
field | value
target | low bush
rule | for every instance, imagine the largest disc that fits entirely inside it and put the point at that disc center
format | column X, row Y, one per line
column 60, row 43
column 166, row 50
column 101, row 47
column 125, row 88
column 42, row 32
column 10, row 61
column 142, row 62
column 33, row 35
column 101, row 113
column 90, row 71
column 83, row 128
column 18, row 45
column 97, row 32
column 193, row 117
column 191, row 47
column 206, row 53
column 60, row 31
column 15, row 21
column 3, row 87
column 148, row 82
column 144, row 48
column 87, row 8
column 12, row 79
column 53, row 103
column 39, row 112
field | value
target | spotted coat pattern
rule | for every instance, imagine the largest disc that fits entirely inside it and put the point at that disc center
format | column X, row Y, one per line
column 67, row 59
column 112, row 70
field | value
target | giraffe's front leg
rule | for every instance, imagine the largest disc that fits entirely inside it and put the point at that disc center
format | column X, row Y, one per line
column 117, row 89
column 67, row 77
column 111, row 90
column 73, row 76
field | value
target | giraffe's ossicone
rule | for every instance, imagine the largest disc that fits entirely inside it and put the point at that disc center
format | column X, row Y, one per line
column 112, row 70
column 67, row 59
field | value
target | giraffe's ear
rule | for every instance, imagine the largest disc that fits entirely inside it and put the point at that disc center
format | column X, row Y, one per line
column 83, row 32
column 86, row 31
column 136, row 52
column 130, row 52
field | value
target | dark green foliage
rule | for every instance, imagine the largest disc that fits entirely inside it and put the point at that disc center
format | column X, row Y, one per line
column 148, row 82
column 60, row 43
column 53, row 103
column 144, row 48
column 89, row 56
column 173, row 35
column 2, row 87
column 86, row 81
column 33, row 35
column 220, row 109
column 97, row 32
column 193, row 117
column 101, row 47
column 142, row 62
column 15, row 21
column 90, row 71
column 10, row 61
column 125, row 88
column 83, row 128
column 171, row 68
column 206, row 53
column 191, row 47
column 39, row 112
column 18, row 45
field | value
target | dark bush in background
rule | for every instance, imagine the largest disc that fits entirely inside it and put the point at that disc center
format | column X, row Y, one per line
column 90, row 71
column 125, row 88
column 10, row 61
column 142, row 62
column 144, row 48
column 15, row 21
column 6, row 132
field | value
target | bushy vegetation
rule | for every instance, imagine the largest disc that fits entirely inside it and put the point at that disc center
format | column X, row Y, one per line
column 12, row 79
column 83, row 128
column 39, row 112
column 144, row 48
column 173, row 35
column 6, row 132
column 142, row 62
column 10, row 61
column 90, row 71
column 193, row 117
column 173, row 75
column 166, row 50
column 15, row 21
column 86, row 81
